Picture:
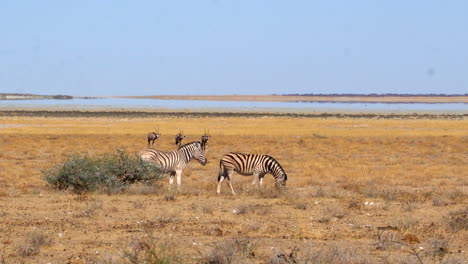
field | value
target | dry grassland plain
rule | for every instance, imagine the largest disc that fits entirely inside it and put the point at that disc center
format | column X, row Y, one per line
column 359, row 191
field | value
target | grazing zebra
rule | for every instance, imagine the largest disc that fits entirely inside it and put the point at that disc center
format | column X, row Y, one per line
column 250, row 164
column 174, row 162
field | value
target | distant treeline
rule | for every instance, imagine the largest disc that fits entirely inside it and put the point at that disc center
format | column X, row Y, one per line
column 379, row 95
column 20, row 96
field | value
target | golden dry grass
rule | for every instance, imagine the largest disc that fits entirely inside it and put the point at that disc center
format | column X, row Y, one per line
column 357, row 184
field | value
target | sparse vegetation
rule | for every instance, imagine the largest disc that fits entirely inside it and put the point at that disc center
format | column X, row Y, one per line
column 458, row 220
column 150, row 249
column 109, row 171
column 361, row 176
column 34, row 241
column 232, row 251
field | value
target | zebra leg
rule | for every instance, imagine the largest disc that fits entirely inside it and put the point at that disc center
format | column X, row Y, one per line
column 179, row 179
column 220, row 180
column 229, row 178
column 255, row 178
column 261, row 180
column 171, row 178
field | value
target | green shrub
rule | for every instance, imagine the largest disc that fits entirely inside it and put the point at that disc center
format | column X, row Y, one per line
column 111, row 172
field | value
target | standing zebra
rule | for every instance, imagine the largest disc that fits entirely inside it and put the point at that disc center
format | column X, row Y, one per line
column 174, row 162
column 250, row 164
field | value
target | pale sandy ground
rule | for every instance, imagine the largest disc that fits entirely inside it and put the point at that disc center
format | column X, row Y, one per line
column 284, row 98
column 300, row 111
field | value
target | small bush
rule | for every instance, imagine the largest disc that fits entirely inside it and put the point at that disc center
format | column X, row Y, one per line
column 330, row 212
column 285, row 258
column 230, row 252
column 406, row 222
column 110, row 171
column 458, row 220
column 34, row 242
column 150, row 249
column 337, row 253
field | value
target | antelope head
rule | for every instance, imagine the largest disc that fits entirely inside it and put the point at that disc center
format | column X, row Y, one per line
column 204, row 139
column 179, row 137
column 152, row 136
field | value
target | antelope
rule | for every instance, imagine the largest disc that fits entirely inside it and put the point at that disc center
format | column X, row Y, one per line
column 152, row 136
column 179, row 137
column 204, row 139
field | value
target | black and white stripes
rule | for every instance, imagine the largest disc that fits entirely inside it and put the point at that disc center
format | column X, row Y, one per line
column 250, row 164
column 174, row 162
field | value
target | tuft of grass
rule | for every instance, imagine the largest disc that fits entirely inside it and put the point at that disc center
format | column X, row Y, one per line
column 329, row 212
column 458, row 220
column 285, row 258
column 230, row 252
column 406, row 222
column 149, row 249
column 387, row 240
column 91, row 209
column 296, row 201
column 338, row 254
column 111, row 171
column 33, row 244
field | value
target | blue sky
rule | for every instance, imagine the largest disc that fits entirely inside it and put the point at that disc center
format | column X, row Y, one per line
column 233, row 47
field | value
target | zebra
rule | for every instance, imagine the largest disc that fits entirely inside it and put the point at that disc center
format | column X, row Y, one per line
column 250, row 164
column 174, row 162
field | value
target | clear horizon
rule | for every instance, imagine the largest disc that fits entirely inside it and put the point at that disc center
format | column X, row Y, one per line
column 219, row 47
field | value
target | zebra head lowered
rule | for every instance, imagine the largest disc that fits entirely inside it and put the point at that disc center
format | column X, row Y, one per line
column 250, row 164
column 152, row 136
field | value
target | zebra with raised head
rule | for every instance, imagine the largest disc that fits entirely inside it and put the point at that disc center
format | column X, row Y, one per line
column 250, row 164
column 174, row 162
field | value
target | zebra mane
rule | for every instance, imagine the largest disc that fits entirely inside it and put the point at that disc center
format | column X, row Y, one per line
column 190, row 143
column 279, row 165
